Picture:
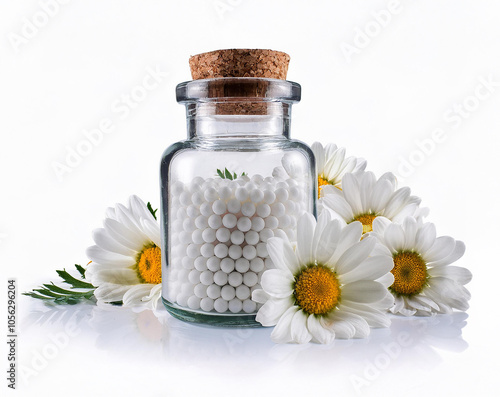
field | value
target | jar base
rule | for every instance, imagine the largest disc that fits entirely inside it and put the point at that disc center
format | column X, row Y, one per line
column 241, row 320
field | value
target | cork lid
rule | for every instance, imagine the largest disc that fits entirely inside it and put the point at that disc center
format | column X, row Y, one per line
column 240, row 63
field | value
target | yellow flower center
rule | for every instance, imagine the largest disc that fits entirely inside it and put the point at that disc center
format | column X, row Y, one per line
column 410, row 273
column 317, row 290
column 366, row 220
column 149, row 264
column 324, row 182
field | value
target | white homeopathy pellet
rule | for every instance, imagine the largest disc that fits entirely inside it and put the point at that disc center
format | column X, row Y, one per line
column 188, row 225
column 207, row 304
column 221, row 250
column 201, row 222
column 188, row 289
column 192, row 211
column 269, row 197
column 208, row 235
column 294, row 193
column 237, row 237
column 185, row 199
column 241, row 194
column 227, row 265
column 281, row 194
column 185, row 237
column 183, row 275
column 262, row 250
column 289, row 207
column 235, row 279
column 213, row 264
column 197, row 198
column 193, row 250
column 200, row 290
column 213, row 291
column 221, row 305
column 223, row 234
column 214, row 221
column 200, row 264
column 272, row 222
column 284, row 221
column 197, row 237
column 207, row 277
column 206, row 209
column 182, row 299
column 235, row 305
column 177, row 226
column 278, row 209
column 280, row 233
column 227, row 292
column 256, row 195
column 211, row 194
column 207, row 250
column 244, row 224
column 198, row 181
column 250, row 279
column 242, row 292
column 220, row 278
column 266, row 234
column 258, row 224
column 249, row 252
column 225, row 192
column 187, row 262
column 249, row 306
column 235, row 251
column 182, row 213
column 193, row 302
column 229, row 221
column 251, row 237
column 177, row 188
column 257, row 264
column 263, row 210
column 242, row 265
column 234, row 206
column 219, row 207
column 248, row 209
column 194, row 276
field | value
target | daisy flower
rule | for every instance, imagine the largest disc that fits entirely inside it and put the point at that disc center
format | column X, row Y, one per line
column 424, row 281
column 364, row 198
column 126, row 260
column 325, row 287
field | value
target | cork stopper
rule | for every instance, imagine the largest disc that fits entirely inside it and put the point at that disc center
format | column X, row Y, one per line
column 240, row 63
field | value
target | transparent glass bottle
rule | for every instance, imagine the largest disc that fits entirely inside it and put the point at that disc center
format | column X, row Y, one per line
column 235, row 182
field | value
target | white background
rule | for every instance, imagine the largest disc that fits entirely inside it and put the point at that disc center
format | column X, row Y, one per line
column 379, row 102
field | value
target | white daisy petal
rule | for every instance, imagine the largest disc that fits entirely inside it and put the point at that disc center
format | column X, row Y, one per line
column 121, row 234
column 380, row 195
column 374, row 317
column 410, row 228
column 349, row 235
column 272, row 310
column 370, row 269
column 425, row 237
column 455, row 255
column 363, row 291
column 319, row 333
column 99, row 275
column 386, row 280
column 111, row 292
column 260, row 296
column 405, row 212
column 133, row 297
column 106, row 242
column 394, row 237
column 353, row 256
column 328, row 242
column 282, row 331
column 341, row 325
column 319, row 155
column 339, row 205
column 282, row 255
column 305, row 233
column 396, row 202
column 459, row 274
column 298, row 328
column 152, row 230
column 379, row 225
column 351, row 189
column 277, row 283
column 97, row 254
column 442, row 247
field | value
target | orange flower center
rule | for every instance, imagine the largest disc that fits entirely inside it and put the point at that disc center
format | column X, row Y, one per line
column 317, row 290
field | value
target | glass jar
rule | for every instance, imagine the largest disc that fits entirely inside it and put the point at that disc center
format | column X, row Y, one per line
column 235, row 182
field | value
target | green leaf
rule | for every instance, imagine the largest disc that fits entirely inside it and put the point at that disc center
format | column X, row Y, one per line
column 36, row 296
column 54, row 288
column 153, row 212
column 228, row 175
column 68, row 278
column 81, row 270
column 221, row 174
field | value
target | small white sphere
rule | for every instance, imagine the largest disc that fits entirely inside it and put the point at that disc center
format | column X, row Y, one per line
column 182, row 299
column 200, row 264
column 229, row 221
column 256, row 195
column 185, row 237
column 249, row 306
column 227, row 265
column 258, row 224
column 252, row 237
column 185, row 199
column 221, row 305
column 219, row 207
column 262, row 250
column 201, row 222
column 242, row 265
column 271, row 222
column 207, row 250
column 295, row 193
column 183, row 275
column 248, row 209
column 192, row 211
column 194, row 302
column 208, row 235
column 290, row 207
column 213, row 291
column 188, row 225
column 235, row 279
column 280, row 233
column 237, row 237
column 177, row 226
column 220, row 278
column 187, row 262
column 244, row 224
column 182, row 213
column 221, row 250
column 249, row 252
column 250, row 279
column 263, row 210
column 269, row 197
column 198, row 198
column 250, row 186
column 194, row 276
column 241, row 194
column 284, row 221
column 235, row 251
column 206, row 209
column 223, row 234
column 200, row 290
column 193, row 250
column 234, row 206
column 211, row 194
column 207, row 304
column 207, row 277
column 214, row 221
column 242, row 292
column 235, row 305
column 281, row 194
column 197, row 237
column 187, row 289
column 257, row 264
column 213, row 264
column 197, row 181
column 278, row 209
column 225, row 192
column 227, row 292
column 265, row 234
column 177, row 188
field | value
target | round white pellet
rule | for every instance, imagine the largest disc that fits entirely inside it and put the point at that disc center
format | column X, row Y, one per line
column 188, row 225
column 263, row 210
column 197, row 181
column 249, row 306
column 227, row 265
column 250, row 279
column 211, row 194
column 193, row 250
column 258, row 224
column 187, row 262
column 207, row 304
column 197, row 198
column 284, row 221
column 223, row 234
column 208, row 235
column 183, row 275
column 282, row 185
column 227, row 292
column 213, row 291
column 237, row 237
column 182, row 299
column 280, row 233
column 257, row 264
column 207, row 277
column 244, row 224
column 194, row 302
column 187, row 289
column 185, row 199
column 272, row 222
column 197, row 237
column 192, row 211
column 242, row 265
column 242, row 292
column 200, row 264
column 294, row 193
column 235, row 251
column 185, row 237
column 235, row 279
column 207, row 250
column 220, row 278
column 289, row 207
column 248, row 209
column 177, row 226
column 177, row 188
column 250, row 186
column 256, row 195
column 214, row 221
column 182, row 213
column 201, row 222
column 281, row 194
column 262, row 250
column 265, row 234
column 220, row 250
column 235, row 305
column 268, row 262
column 252, row 237
column 229, row 221
column 200, row 290
column 219, row 207
column 249, row 252
column 206, row 209
column 220, row 305
column 234, row 206
column 241, row 194
column 213, row 264
column 194, row 276
column 257, row 178
column 278, row 209
column 225, row 192
column 269, row 197
column 291, row 182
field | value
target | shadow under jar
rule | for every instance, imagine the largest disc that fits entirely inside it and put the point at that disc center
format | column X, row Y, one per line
column 237, row 181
